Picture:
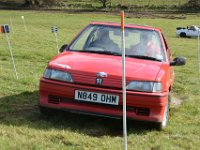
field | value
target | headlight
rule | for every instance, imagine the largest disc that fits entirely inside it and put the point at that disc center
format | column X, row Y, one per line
column 145, row 86
column 57, row 75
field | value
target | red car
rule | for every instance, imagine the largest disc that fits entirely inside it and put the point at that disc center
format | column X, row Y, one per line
column 86, row 76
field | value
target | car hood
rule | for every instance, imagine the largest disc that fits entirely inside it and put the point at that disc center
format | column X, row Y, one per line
column 84, row 67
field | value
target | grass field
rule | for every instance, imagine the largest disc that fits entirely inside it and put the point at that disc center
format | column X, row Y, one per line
column 23, row 127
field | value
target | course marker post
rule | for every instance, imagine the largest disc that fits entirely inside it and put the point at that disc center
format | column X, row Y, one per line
column 123, row 81
column 24, row 22
column 5, row 29
column 199, row 48
column 54, row 30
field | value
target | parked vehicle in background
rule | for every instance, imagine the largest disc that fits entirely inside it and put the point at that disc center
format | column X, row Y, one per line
column 87, row 76
column 189, row 31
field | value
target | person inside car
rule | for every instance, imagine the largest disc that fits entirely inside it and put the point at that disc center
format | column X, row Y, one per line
column 146, row 47
column 103, row 41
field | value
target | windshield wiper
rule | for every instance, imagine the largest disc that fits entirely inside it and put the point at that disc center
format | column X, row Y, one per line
column 102, row 52
column 144, row 57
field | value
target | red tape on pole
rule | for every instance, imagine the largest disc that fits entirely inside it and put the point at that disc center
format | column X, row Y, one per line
column 5, row 29
column 2, row 29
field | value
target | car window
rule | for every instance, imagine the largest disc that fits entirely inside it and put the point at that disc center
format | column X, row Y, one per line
column 144, row 43
column 99, row 38
column 167, row 48
column 79, row 44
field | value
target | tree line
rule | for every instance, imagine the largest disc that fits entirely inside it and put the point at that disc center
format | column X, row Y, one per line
column 105, row 3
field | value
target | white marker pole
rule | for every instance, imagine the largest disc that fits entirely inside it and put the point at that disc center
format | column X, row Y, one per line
column 56, row 38
column 123, row 81
column 54, row 29
column 6, row 31
column 199, row 49
column 24, row 23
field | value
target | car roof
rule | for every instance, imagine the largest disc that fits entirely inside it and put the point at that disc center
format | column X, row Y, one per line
column 126, row 25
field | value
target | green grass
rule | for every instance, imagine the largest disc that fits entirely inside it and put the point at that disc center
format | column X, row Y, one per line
column 23, row 127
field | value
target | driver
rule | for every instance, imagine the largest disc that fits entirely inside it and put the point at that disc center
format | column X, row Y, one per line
column 103, row 41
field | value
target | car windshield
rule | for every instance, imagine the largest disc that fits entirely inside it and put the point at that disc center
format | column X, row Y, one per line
column 107, row 40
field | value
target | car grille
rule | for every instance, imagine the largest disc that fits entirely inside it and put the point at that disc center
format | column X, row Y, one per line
column 91, row 81
column 54, row 99
column 142, row 111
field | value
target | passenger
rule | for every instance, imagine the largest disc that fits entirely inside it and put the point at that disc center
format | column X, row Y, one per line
column 146, row 47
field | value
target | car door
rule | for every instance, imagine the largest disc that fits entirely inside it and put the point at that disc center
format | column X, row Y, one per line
column 192, row 31
column 170, row 58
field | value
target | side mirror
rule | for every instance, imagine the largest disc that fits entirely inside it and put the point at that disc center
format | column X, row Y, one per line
column 178, row 61
column 63, row 48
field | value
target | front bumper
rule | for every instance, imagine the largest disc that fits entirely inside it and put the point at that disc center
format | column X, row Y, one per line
column 140, row 105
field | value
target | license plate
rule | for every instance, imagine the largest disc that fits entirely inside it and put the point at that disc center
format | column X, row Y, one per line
column 96, row 97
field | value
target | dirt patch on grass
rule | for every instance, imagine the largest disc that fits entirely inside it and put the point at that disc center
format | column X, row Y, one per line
column 153, row 15
column 175, row 101
column 17, row 110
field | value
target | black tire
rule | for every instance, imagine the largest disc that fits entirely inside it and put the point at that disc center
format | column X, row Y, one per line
column 182, row 34
column 162, row 125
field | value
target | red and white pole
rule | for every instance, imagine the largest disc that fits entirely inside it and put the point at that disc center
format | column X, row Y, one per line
column 199, row 49
column 123, row 81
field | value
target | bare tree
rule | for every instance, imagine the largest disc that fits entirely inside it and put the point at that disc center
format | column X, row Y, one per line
column 39, row 3
column 194, row 4
column 104, row 2
column 122, row 2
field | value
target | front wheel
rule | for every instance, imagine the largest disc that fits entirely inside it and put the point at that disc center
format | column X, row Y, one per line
column 162, row 125
column 182, row 34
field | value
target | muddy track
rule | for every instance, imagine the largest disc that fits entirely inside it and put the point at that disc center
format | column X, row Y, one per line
column 173, row 14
